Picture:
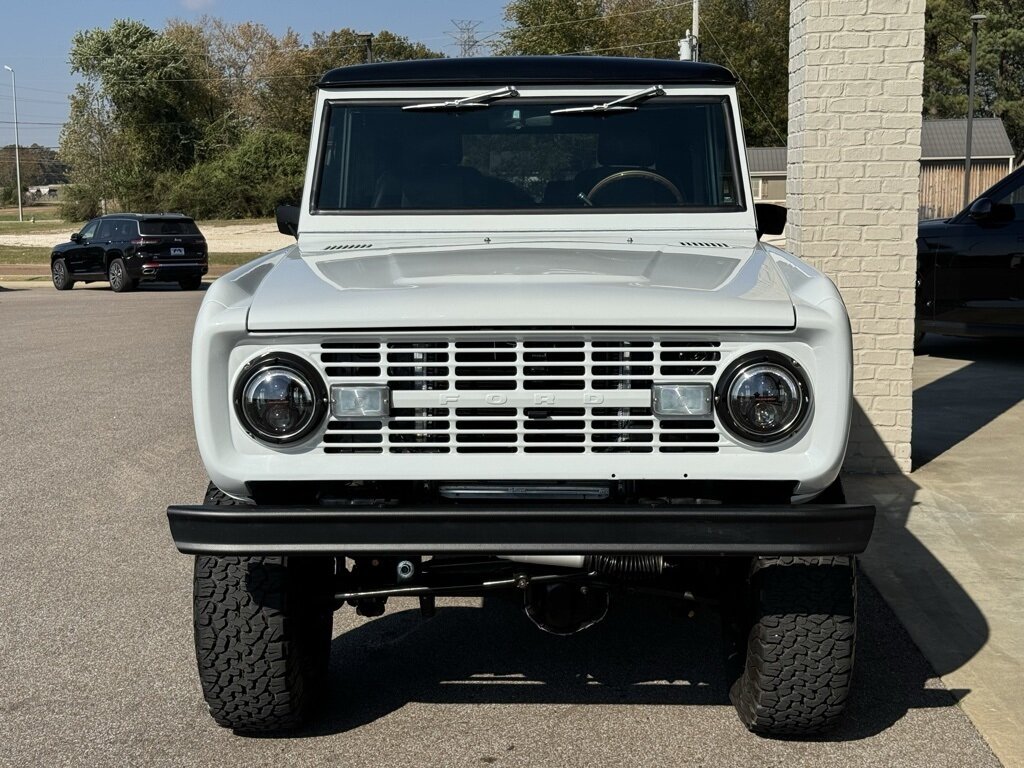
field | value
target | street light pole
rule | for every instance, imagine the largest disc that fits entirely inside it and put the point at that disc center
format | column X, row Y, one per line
column 976, row 19
column 17, row 141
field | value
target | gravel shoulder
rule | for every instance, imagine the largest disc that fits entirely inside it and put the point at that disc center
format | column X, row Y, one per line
column 235, row 237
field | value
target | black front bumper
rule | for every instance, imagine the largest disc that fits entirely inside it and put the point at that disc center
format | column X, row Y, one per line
column 806, row 529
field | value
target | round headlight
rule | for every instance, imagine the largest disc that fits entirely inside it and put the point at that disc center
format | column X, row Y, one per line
column 763, row 397
column 280, row 398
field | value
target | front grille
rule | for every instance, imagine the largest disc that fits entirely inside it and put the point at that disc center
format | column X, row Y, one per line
column 505, row 396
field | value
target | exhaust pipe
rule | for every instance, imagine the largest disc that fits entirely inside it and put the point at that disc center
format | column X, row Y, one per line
column 561, row 561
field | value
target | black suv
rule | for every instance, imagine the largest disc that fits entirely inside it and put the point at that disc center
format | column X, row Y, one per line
column 970, row 268
column 127, row 248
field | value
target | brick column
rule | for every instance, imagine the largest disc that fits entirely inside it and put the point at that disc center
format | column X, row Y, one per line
column 855, row 78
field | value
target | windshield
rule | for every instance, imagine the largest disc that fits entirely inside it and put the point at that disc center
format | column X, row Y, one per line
column 168, row 227
column 668, row 154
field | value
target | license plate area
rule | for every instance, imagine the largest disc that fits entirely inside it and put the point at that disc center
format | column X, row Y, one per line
column 177, row 251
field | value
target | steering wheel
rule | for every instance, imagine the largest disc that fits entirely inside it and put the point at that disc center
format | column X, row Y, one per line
column 615, row 178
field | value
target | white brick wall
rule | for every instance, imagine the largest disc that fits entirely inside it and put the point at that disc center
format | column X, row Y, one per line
column 855, row 75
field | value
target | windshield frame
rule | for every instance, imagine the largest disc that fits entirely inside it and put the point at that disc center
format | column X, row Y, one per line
column 577, row 96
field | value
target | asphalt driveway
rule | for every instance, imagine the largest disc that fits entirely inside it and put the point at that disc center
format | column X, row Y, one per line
column 96, row 664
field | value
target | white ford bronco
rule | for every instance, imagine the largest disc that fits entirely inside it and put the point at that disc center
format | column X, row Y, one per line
column 528, row 339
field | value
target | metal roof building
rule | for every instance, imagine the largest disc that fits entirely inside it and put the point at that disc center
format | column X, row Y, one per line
column 940, row 140
column 942, row 164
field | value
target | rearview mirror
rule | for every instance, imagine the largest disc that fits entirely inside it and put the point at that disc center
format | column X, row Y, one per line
column 76, row 237
column 288, row 220
column 771, row 219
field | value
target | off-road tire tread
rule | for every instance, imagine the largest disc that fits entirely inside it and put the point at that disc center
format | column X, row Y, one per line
column 800, row 645
column 261, row 648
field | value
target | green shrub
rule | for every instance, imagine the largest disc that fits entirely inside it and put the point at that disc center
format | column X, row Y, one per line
column 79, row 203
column 248, row 180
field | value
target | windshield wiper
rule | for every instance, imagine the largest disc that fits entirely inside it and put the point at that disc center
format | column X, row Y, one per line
column 477, row 101
column 625, row 104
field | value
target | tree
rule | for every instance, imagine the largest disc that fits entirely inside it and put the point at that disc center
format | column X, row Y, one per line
column 88, row 143
column 208, row 117
column 39, row 165
column 1000, row 73
column 751, row 37
column 141, row 94
column 553, row 27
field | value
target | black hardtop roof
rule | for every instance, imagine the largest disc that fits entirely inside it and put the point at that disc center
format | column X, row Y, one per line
column 143, row 216
column 528, row 70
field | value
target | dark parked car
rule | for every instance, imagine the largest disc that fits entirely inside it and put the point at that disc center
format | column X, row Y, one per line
column 970, row 268
column 127, row 248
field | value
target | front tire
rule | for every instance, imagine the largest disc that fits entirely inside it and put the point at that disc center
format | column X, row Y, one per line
column 800, row 645
column 61, row 276
column 262, row 636
column 117, row 274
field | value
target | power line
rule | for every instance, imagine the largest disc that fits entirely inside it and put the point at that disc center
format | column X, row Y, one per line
column 619, row 47
column 26, row 122
column 771, row 123
column 655, row 9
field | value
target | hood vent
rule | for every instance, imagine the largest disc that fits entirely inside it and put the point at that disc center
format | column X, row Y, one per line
column 690, row 244
column 348, row 246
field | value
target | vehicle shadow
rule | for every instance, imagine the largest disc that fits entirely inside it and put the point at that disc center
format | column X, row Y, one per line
column 954, row 407
column 941, row 618
column 648, row 651
column 144, row 288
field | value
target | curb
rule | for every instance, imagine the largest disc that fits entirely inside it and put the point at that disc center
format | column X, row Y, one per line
column 31, row 272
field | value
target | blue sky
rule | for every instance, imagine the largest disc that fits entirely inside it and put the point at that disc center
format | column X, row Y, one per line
column 35, row 37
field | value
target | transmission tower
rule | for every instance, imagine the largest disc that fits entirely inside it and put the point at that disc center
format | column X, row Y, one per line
column 465, row 36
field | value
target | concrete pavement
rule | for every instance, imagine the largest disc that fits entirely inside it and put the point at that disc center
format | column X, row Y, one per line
column 96, row 664
column 948, row 552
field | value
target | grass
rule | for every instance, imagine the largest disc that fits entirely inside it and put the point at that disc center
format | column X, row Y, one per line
column 15, row 254
column 9, row 225
column 10, row 213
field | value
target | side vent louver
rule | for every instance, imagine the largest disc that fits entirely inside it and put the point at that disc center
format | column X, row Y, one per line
column 348, row 246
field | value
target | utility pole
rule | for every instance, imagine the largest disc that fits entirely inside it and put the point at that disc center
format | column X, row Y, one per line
column 695, row 40
column 17, row 141
column 465, row 36
column 976, row 19
column 688, row 45
column 368, row 41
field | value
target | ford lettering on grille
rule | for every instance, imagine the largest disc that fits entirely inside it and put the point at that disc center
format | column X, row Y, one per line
column 520, row 395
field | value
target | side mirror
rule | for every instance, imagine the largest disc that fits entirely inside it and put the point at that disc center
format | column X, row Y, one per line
column 771, row 219
column 981, row 209
column 76, row 237
column 288, row 220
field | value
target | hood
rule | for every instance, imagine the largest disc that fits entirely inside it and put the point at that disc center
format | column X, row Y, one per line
column 523, row 286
